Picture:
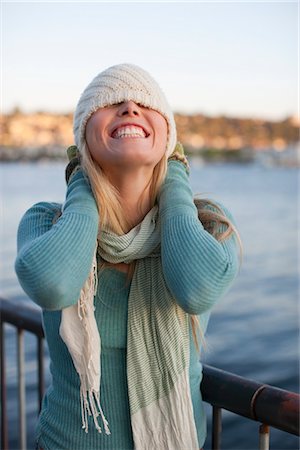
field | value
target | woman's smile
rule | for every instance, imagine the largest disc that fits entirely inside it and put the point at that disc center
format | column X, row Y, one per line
column 129, row 130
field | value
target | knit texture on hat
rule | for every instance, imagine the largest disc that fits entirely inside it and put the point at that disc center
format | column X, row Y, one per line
column 117, row 84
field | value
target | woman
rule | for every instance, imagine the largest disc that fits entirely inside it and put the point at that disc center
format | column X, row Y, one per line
column 126, row 272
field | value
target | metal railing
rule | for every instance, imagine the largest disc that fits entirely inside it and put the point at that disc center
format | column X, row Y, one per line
column 268, row 405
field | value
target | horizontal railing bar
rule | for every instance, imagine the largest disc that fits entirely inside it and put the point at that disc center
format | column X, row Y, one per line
column 264, row 403
column 21, row 316
column 261, row 402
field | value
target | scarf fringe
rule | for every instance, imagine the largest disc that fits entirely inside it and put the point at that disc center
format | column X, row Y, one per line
column 90, row 401
column 89, row 397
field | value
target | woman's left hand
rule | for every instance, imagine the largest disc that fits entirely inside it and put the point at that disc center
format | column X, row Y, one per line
column 74, row 162
column 179, row 155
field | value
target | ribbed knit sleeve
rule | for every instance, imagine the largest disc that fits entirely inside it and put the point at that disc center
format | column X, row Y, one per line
column 55, row 256
column 197, row 268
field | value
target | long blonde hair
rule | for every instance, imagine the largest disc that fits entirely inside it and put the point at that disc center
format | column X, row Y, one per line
column 106, row 195
column 112, row 213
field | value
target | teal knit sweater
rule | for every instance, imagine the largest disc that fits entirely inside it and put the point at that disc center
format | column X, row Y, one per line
column 54, row 259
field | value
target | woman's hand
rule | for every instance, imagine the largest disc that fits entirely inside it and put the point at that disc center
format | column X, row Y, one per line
column 74, row 162
column 177, row 173
column 197, row 268
column 56, row 250
column 179, row 155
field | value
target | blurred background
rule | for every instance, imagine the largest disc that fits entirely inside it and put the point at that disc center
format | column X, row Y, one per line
column 230, row 73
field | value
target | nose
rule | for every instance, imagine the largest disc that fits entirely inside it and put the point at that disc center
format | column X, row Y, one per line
column 128, row 108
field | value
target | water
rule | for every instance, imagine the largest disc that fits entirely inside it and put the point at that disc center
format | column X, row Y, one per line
column 254, row 328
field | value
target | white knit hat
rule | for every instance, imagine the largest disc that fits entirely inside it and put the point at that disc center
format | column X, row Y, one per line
column 118, row 84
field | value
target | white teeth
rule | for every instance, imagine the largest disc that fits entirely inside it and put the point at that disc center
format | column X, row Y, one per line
column 129, row 131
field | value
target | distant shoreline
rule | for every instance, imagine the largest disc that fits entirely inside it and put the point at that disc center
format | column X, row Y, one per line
column 289, row 157
column 44, row 135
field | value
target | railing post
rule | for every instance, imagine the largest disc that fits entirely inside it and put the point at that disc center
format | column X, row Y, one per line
column 264, row 437
column 216, row 428
column 21, row 385
column 4, row 434
column 41, row 371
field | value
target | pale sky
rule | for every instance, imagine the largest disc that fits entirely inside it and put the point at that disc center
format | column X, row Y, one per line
column 234, row 58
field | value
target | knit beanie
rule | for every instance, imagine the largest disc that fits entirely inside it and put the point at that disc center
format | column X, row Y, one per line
column 117, row 84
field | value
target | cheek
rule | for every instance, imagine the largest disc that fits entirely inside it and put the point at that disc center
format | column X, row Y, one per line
column 94, row 141
column 162, row 135
column 95, row 127
column 93, row 147
column 94, row 154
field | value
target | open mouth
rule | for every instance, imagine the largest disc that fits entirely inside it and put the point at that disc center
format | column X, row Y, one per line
column 129, row 131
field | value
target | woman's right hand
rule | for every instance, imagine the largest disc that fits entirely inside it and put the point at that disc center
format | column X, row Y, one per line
column 55, row 253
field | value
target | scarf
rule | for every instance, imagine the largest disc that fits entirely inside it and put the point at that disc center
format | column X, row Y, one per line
column 157, row 344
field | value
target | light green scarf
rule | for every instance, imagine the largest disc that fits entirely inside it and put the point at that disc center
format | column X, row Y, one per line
column 157, row 345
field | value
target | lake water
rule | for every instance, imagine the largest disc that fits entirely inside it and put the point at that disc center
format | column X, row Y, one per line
column 253, row 330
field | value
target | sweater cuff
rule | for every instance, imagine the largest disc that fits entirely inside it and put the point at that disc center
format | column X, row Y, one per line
column 79, row 197
column 176, row 196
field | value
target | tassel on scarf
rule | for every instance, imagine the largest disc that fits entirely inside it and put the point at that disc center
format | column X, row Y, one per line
column 90, row 401
column 80, row 333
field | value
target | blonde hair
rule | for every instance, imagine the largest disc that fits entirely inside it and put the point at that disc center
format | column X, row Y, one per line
column 112, row 213
column 108, row 198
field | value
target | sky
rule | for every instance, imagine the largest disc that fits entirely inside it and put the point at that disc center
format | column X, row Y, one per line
column 216, row 58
